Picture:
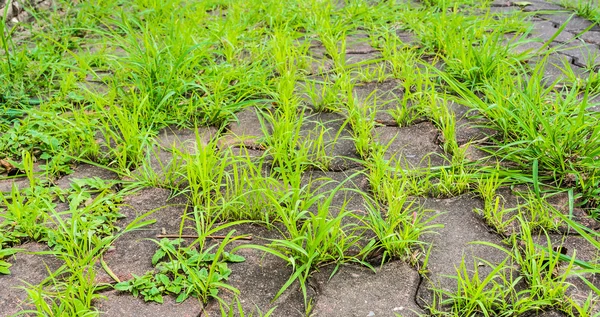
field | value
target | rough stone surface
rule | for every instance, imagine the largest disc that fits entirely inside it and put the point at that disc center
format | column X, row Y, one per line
column 591, row 37
column 583, row 55
column 386, row 95
column 555, row 68
column 453, row 244
column 582, row 250
column 119, row 304
column 525, row 47
column 537, row 5
column 547, row 313
column 414, row 145
column 407, row 38
column 575, row 24
column 6, row 185
column 27, row 268
column 21, row 181
column 359, row 44
column 396, row 287
column 246, row 131
column 546, row 30
column 468, row 128
column 259, row 279
column 357, row 291
column 132, row 252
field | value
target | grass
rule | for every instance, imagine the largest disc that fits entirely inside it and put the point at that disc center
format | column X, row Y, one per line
column 96, row 82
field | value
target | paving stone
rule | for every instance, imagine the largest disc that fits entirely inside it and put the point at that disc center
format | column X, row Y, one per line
column 414, row 145
column 347, row 197
column 7, row 184
column 505, row 10
column 541, row 5
column 99, row 48
column 97, row 82
column 500, row 3
column 338, row 144
column 359, row 43
column 320, row 66
column 553, row 71
column 185, row 140
column 512, row 200
column 20, row 182
column 594, row 104
column 313, row 90
column 452, row 244
column 579, row 291
column 576, row 24
column 591, row 37
column 573, row 244
column 467, row 127
column 356, row 292
column 407, row 37
column 317, row 50
column 361, row 61
column 584, row 55
column 524, row 47
column 469, row 131
column 251, row 153
column 387, row 95
column 132, row 252
column 259, row 279
column 356, row 43
column 26, row 268
column 120, row 304
column 160, row 167
column 545, row 30
column 369, row 64
column 373, row 70
column 246, row 131
column 92, row 87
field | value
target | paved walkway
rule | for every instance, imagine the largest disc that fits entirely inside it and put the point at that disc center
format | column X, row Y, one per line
column 397, row 287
